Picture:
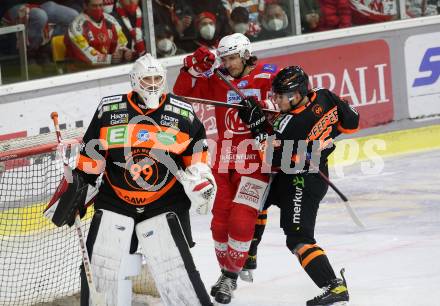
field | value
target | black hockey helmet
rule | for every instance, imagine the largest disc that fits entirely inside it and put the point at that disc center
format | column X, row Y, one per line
column 291, row 79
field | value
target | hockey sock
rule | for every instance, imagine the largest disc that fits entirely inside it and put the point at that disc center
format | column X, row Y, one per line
column 260, row 225
column 314, row 261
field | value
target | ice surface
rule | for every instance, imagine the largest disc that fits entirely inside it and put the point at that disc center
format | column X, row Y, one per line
column 396, row 261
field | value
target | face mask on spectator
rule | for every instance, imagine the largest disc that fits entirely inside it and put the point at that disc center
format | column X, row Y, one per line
column 241, row 28
column 207, row 31
column 165, row 45
column 275, row 24
column 96, row 14
column 130, row 8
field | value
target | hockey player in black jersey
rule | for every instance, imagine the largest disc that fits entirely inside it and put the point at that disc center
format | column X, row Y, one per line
column 296, row 146
column 151, row 151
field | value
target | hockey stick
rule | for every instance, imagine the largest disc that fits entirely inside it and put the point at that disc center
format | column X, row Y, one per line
column 222, row 104
column 350, row 210
column 96, row 297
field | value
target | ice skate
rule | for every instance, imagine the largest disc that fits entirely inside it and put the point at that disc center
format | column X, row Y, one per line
column 335, row 293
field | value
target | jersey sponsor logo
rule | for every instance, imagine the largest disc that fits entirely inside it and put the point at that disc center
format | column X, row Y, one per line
column 118, row 119
column 242, row 84
column 232, row 97
column 234, row 124
column 283, row 123
column 430, row 63
column 269, row 67
column 250, row 192
column 297, row 201
column 111, row 99
column 181, row 104
column 169, row 121
column 263, row 76
column 168, row 108
column 148, row 234
column 143, row 135
column 166, row 138
column 117, row 135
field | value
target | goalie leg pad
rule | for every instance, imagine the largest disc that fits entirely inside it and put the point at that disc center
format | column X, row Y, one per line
column 111, row 261
column 170, row 261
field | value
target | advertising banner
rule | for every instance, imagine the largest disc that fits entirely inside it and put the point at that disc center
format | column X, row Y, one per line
column 422, row 62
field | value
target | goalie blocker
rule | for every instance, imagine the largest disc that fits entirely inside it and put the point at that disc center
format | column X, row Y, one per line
column 163, row 243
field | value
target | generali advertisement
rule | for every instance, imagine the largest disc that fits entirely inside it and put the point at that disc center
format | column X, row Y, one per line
column 422, row 59
column 359, row 73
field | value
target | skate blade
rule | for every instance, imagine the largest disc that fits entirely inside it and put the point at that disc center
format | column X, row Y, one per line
column 338, row 304
column 247, row 276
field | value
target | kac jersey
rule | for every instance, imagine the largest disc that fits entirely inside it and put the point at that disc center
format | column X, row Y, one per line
column 307, row 132
column 233, row 147
column 139, row 150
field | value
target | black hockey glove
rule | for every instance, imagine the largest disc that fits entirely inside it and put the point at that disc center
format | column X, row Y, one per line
column 70, row 203
column 253, row 116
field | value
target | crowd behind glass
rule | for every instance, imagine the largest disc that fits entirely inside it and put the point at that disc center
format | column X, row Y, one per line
column 74, row 35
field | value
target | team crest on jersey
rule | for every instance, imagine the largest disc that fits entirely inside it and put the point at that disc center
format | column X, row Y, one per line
column 317, row 110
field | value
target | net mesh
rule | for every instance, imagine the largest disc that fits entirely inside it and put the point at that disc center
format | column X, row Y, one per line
column 39, row 263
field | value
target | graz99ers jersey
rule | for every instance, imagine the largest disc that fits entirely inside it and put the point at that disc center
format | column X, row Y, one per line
column 139, row 151
column 234, row 151
column 313, row 125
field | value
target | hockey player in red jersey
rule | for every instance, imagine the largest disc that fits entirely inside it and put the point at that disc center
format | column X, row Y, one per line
column 151, row 151
column 299, row 145
column 236, row 166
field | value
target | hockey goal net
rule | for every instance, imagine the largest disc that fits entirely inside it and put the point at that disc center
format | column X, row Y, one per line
column 39, row 263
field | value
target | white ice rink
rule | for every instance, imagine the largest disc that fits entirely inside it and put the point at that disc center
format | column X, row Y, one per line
column 396, row 261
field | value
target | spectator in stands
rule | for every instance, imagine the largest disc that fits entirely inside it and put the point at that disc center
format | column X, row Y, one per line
column 42, row 19
column 206, row 32
column 165, row 45
column 129, row 16
column 310, row 15
column 334, row 14
column 274, row 22
column 255, row 9
column 177, row 14
column 217, row 8
column 240, row 23
column 372, row 11
column 419, row 8
column 95, row 38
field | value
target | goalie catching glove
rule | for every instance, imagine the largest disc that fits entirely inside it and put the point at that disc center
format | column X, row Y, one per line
column 199, row 185
column 68, row 201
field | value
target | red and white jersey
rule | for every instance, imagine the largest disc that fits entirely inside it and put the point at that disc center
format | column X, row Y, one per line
column 234, row 145
column 92, row 42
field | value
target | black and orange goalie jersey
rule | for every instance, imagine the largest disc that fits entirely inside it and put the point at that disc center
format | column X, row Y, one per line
column 139, row 150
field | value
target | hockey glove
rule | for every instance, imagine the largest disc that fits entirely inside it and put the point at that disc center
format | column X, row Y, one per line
column 200, row 62
column 199, row 185
column 68, row 201
column 253, row 116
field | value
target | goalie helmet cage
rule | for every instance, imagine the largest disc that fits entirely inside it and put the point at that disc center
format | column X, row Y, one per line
column 39, row 263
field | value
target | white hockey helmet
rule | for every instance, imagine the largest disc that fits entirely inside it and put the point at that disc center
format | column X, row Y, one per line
column 233, row 44
column 148, row 66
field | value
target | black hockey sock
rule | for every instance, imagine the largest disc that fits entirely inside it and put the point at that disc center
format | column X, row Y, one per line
column 260, row 225
column 314, row 261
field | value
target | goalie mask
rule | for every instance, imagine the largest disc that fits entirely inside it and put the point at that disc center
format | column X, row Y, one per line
column 148, row 79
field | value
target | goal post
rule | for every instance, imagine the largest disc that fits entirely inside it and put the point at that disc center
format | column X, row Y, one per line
column 39, row 262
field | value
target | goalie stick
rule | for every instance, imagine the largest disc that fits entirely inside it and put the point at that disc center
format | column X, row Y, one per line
column 96, row 297
column 347, row 205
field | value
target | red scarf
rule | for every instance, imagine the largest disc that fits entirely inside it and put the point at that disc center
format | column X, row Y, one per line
column 136, row 32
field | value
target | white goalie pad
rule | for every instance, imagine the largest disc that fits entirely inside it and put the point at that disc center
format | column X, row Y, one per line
column 170, row 262
column 111, row 262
